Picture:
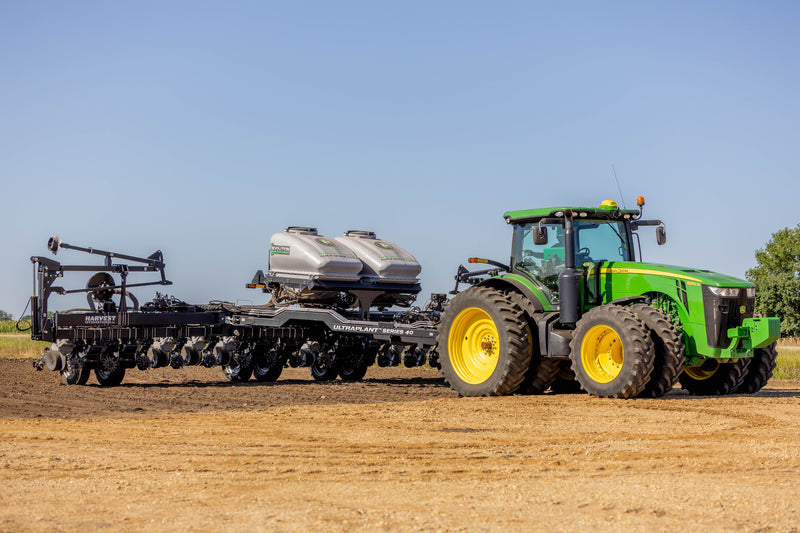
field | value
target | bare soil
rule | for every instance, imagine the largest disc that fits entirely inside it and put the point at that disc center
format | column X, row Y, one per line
column 398, row 451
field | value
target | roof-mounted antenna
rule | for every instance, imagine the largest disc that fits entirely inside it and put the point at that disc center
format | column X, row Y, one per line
column 618, row 187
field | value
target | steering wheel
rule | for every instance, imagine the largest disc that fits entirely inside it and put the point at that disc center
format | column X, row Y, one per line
column 583, row 256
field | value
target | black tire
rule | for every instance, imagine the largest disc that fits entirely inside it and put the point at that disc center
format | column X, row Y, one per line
column 324, row 372
column 759, row 371
column 353, row 373
column 668, row 347
column 542, row 373
column 713, row 378
column 75, row 374
column 564, row 382
column 541, row 370
column 237, row 373
column 110, row 378
column 191, row 357
column 492, row 354
column 355, row 368
column 268, row 368
column 354, row 362
column 623, row 370
column 159, row 358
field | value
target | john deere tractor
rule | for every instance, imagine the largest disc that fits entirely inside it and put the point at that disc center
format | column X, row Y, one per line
column 575, row 309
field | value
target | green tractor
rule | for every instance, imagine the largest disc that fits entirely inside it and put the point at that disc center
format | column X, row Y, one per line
column 575, row 310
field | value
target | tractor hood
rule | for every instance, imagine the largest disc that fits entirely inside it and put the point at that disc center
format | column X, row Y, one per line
column 704, row 277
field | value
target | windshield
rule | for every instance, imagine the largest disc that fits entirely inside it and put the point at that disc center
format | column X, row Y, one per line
column 595, row 241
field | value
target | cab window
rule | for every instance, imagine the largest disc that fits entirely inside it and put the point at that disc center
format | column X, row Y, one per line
column 541, row 262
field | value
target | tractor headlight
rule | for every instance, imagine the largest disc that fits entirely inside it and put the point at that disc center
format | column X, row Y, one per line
column 725, row 292
column 751, row 292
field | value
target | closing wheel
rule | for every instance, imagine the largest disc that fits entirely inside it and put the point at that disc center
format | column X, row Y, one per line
column 668, row 346
column 236, row 372
column 713, row 378
column 484, row 343
column 759, row 371
column 75, row 373
column 611, row 352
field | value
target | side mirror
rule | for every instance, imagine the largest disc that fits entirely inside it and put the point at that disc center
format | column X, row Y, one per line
column 540, row 235
column 661, row 235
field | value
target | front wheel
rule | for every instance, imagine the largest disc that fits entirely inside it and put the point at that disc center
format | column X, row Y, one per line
column 484, row 342
column 611, row 352
column 713, row 378
column 759, row 371
column 668, row 347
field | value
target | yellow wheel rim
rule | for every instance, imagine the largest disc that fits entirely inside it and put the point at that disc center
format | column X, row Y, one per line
column 602, row 354
column 700, row 373
column 473, row 345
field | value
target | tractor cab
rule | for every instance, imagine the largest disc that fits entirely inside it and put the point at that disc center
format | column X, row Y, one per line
column 543, row 260
column 602, row 234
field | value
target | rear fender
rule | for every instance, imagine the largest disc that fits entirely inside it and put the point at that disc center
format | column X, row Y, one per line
column 551, row 343
column 538, row 301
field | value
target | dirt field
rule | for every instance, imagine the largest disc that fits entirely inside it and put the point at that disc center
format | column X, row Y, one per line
column 399, row 451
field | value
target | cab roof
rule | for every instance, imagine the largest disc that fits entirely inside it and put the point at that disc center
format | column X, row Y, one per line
column 608, row 210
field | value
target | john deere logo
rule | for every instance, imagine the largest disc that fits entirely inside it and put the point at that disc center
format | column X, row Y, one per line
column 383, row 246
column 325, row 242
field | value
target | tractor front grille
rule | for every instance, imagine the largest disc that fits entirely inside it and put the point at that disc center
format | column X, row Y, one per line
column 724, row 313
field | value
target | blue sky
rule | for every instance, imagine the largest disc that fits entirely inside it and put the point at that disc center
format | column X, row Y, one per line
column 201, row 128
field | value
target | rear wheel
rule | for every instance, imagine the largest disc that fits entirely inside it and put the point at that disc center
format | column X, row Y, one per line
column 541, row 370
column 484, row 343
column 564, row 382
column 611, row 352
column 759, row 371
column 713, row 378
column 668, row 347
column 542, row 373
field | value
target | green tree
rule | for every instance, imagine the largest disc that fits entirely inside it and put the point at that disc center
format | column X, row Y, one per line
column 777, row 279
column 4, row 315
